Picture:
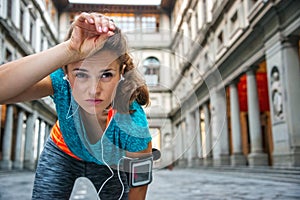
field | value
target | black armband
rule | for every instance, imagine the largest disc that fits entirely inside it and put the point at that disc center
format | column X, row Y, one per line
column 139, row 170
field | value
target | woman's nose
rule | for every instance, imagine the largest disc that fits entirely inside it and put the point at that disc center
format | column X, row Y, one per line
column 94, row 87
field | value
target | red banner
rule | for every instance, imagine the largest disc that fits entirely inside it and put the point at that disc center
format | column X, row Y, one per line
column 262, row 89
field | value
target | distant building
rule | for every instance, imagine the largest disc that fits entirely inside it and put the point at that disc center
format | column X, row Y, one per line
column 223, row 75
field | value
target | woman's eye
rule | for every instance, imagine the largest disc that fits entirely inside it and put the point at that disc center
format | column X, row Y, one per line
column 81, row 75
column 106, row 76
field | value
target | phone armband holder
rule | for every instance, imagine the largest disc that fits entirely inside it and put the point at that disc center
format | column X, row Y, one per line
column 138, row 170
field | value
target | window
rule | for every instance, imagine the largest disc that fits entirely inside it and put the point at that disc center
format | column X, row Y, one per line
column 220, row 40
column 151, row 70
column 42, row 44
column 21, row 21
column 126, row 22
column 8, row 55
column 149, row 24
column 146, row 23
column 32, row 34
column 234, row 21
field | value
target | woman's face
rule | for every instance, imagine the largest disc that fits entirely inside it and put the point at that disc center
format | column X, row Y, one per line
column 94, row 81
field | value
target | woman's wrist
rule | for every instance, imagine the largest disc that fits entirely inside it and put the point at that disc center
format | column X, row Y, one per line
column 70, row 54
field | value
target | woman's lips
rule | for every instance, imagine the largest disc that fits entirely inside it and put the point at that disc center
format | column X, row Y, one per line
column 94, row 101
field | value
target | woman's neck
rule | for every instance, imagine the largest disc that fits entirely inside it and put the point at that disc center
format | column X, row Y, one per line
column 94, row 124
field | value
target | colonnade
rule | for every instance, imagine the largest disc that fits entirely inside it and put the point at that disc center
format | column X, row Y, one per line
column 210, row 143
column 26, row 128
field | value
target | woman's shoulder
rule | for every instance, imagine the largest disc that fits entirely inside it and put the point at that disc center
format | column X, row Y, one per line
column 134, row 123
column 138, row 115
column 59, row 84
column 57, row 78
column 57, row 75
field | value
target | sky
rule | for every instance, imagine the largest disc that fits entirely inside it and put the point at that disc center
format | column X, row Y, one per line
column 119, row 2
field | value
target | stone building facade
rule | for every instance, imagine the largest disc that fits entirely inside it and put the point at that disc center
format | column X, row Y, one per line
column 26, row 27
column 238, row 83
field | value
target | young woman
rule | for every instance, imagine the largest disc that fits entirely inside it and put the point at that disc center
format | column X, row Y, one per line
column 98, row 95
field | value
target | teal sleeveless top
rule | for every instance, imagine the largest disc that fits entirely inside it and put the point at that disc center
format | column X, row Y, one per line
column 125, row 132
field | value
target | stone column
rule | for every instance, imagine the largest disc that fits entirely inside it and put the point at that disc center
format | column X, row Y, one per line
column 194, row 138
column 29, row 141
column 39, row 140
column 19, row 159
column 219, row 128
column 178, row 141
column 256, row 156
column 237, row 157
column 198, row 139
column 182, row 159
column 190, row 131
column 6, row 162
column 207, row 143
column 47, row 132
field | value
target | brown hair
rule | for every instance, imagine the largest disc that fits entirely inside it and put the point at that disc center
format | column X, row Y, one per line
column 133, row 87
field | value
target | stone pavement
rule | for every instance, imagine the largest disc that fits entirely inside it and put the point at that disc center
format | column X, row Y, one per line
column 16, row 185
column 190, row 184
column 195, row 184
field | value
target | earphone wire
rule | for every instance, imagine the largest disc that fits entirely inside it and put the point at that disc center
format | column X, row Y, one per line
column 68, row 116
column 119, row 176
column 102, row 156
column 112, row 173
column 68, row 113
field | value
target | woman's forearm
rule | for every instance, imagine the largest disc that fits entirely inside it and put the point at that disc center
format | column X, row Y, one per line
column 21, row 74
column 138, row 193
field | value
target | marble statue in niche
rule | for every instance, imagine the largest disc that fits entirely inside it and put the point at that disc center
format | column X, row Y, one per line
column 276, row 92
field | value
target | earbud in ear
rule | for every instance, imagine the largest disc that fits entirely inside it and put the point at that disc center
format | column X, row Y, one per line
column 122, row 78
column 65, row 77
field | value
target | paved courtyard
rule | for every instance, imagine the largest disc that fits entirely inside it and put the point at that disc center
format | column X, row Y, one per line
column 179, row 184
column 196, row 184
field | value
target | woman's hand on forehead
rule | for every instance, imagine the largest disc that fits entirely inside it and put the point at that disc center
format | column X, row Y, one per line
column 101, row 23
column 90, row 31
